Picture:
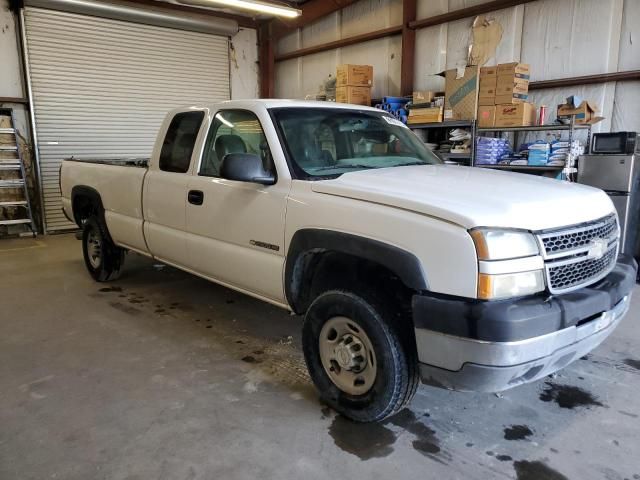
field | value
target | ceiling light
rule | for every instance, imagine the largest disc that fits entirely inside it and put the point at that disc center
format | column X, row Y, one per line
column 250, row 5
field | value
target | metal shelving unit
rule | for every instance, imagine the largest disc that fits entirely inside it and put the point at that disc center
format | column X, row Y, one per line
column 475, row 131
column 451, row 124
column 524, row 168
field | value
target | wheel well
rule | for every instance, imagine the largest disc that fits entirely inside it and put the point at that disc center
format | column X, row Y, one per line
column 320, row 270
column 85, row 202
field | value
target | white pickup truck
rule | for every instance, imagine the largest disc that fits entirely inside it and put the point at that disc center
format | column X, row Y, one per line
column 403, row 267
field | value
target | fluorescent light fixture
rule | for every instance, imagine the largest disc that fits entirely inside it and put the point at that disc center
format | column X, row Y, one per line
column 250, row 5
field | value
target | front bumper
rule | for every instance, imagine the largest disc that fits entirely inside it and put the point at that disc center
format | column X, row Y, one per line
column 492, row 346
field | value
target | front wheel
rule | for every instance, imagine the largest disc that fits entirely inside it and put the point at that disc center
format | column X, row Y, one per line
column 358, row 356
column 102, row 257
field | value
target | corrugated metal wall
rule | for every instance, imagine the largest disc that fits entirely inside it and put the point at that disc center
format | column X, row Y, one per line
column 559, row 38
column 101, row 87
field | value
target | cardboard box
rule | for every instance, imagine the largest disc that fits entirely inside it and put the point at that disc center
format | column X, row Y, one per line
column 488, row 81
column 512, row 98
column 514, row 69
column 354, row 75
column 515, row 115
column 354, row 94
column 461, row 93
column 508, row 85
column 486, row 116
column 489, row 71
column 425, row 115
column 423, row 96
column 487, row 91
column 585, row 113
column 486, row 101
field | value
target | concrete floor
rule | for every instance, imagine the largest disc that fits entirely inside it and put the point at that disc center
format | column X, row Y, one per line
column 162, row 375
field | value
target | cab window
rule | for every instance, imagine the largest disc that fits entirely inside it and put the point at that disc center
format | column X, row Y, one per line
column 175, row 155
column 234, row 131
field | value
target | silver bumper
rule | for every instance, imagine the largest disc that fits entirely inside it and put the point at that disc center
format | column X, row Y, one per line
column 465, row 364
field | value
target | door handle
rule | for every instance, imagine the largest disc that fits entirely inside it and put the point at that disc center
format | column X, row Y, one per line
column 195, row 197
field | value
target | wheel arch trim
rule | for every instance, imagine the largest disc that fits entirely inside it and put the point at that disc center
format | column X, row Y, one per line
column 307, row 242
column 90, row 192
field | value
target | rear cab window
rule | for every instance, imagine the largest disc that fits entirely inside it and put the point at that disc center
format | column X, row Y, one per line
column 179, row 141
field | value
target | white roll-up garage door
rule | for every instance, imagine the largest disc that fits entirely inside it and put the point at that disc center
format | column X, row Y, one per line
column 101, row 87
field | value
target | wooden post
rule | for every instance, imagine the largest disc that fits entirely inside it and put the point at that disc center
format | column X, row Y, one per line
column 407, row 67
column 266, row 60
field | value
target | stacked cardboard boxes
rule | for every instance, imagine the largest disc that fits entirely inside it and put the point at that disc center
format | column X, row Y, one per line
column 512, row 83
column 503, row 95
column 353, row 84
column 426, row 107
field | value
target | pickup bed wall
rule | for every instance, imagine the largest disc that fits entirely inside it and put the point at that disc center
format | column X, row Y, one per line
column 120, row 188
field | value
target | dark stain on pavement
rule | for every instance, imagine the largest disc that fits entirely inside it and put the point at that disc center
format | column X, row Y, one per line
column 250, row 359
column 364, row 440
column 375, row 440
column 517, row 432
column 125, row 308
column 632, row 363
column 526, row 470
column 568, row 396
column 503, row 458
column 110, row 289
column 628, row 414
column 426, row 441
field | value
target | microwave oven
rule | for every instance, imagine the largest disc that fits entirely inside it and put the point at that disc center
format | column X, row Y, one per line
column 623, row 143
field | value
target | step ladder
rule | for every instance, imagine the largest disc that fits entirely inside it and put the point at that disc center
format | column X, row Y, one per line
column 11, row 161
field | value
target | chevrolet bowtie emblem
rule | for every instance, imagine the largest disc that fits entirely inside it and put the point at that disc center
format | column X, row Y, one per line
column 597, row 248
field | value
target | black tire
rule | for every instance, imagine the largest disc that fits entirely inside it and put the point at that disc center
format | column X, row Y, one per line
column 105, row 262
column 393, row 342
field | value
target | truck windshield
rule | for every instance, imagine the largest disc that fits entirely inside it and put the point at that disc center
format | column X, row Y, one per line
column 327, row 142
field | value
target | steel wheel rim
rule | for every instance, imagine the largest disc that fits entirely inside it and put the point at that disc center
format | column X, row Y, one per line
column 94, row 249
column 347, row 355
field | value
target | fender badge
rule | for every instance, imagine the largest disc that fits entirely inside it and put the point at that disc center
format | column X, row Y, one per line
column 268, row 246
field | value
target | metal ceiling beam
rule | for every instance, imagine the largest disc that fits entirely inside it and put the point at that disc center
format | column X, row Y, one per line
column 365, row 37
column 311, row 11
column 465, row 13
column 586, row 80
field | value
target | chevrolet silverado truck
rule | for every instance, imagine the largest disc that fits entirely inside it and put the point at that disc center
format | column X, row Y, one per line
column 404, row 268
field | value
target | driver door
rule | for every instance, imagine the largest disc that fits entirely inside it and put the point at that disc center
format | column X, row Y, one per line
column 236, row 229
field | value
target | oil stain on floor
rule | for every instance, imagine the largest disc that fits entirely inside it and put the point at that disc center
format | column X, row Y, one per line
column 375, row 440
column 364, row 440
column 526, row 470
column 632, row 363
column 568, row 396
column 517, row 432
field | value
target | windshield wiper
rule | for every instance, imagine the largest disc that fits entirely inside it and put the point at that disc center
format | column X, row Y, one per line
column 335, row 167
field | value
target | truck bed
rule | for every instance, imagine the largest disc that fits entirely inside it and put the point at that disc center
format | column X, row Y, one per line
column 119, row 182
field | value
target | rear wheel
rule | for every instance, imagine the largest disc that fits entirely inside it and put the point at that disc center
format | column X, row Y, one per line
column 358, row 355
column 102, row 257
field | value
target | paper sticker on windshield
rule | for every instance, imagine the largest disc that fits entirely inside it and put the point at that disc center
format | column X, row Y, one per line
column 394, row 121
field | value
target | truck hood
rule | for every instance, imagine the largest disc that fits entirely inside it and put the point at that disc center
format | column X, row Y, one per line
column 473, row 197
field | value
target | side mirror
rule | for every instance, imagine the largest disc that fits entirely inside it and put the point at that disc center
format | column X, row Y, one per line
column 245, row 167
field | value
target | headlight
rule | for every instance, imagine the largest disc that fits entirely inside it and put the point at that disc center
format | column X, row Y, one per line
column 494, row 244
column 511, row 254
column 492, row 287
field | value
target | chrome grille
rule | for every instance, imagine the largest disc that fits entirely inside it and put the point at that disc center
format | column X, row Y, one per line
column 569, row 275
column 580, row 255
column 580, row 236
